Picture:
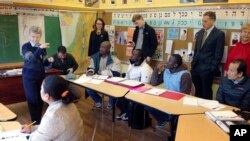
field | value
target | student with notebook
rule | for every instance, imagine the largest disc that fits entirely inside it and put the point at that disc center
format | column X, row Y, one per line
column 62, row 120
column 103, row 63
column 138, row 70
column 175, row 77
column 234, row 89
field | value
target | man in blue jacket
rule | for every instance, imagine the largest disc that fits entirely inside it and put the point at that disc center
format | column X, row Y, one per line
column 235, row 88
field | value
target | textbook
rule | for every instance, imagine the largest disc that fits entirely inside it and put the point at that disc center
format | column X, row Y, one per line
column 223, row 116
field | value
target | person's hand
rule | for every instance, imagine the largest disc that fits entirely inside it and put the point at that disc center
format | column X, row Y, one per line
column 130, row 44
column 70, row 70
column 51, row 59
column 25, row 128
column 148, row 59
column 45, row 45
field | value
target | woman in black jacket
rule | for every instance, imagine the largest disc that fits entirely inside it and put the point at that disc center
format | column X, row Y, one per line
column 97, row 36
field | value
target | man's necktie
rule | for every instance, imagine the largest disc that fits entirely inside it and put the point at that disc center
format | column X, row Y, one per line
column 204, row 38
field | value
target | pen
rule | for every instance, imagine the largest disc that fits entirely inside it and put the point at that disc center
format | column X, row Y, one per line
column 30, row 124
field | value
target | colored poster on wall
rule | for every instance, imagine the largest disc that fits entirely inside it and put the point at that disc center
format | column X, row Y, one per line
column 121, row 37
column 173, row 33
column 111, row 31
column 158, row 55
column 24, row 24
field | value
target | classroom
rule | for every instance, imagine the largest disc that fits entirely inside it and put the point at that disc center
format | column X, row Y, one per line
column 124, row 70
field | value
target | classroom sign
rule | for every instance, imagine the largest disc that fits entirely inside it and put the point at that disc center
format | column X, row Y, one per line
column 227, row 18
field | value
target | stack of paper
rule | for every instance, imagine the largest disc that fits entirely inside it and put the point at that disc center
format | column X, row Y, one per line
column 130, row 83
column 155, row 91
column 210, row 104
column 115, row 79
column 223, row 115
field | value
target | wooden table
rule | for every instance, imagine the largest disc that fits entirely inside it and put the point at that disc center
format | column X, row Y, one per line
column 6, row 114
column 199, row 128
column 108, row 89
column 173, row 107
column 10, row 125
column 11, row 88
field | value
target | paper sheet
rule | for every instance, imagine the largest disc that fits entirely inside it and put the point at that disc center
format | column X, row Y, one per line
column 155, row 91
column 190, row 101
column 14, row 135
column 169, row 45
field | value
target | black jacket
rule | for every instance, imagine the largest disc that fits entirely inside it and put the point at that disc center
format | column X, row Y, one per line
column 209, row 56
column 150, row 43
column 237, row 95
column 96, row 40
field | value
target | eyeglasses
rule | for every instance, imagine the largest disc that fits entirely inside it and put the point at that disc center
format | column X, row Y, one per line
column 98, row 23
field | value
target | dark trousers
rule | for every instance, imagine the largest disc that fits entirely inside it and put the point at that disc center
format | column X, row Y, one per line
column 122, row 104
column 158, row 115
column 203, row 83
column 32, row 92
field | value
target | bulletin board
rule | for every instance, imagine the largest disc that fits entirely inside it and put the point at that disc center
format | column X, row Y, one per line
column 228, row 20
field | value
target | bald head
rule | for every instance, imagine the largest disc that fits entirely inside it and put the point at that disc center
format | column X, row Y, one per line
column 105, row 48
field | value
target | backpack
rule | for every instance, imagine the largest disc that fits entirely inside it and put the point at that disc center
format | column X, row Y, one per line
column 138, row 118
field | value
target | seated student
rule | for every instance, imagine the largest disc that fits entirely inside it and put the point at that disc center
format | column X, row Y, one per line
column 175, row 77
column 103, row 63
column 138, row 70
column 64, row 61
column 61, row 121
column 234, row 89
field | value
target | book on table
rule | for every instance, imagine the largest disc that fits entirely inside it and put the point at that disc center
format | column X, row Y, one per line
column 124, row 82
column 223, row 116
column 224, row 119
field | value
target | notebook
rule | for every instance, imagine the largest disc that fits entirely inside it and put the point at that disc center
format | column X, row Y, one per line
column 172, row 95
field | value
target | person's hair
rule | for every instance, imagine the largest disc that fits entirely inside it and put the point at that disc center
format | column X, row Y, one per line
column 106, row 43
column 136, row 17
column 57, row 87
column 62, row 49
column 210, row 14
column 242, row 66
column 36, row 30
column 178, row 59
column 245, row 26
column 103, row 23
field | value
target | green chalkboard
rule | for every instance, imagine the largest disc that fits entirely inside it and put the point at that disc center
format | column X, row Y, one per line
column 52, row 33
column 9, row 37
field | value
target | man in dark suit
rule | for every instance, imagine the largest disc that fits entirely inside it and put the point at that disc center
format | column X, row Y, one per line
column 209, row 47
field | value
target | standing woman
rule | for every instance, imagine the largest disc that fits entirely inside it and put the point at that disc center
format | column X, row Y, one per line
column 33, row 73
column 241, row 50
column 97, row 36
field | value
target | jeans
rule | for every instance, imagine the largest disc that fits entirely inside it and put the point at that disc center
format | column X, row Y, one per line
column 97, row 98
column 158, row 115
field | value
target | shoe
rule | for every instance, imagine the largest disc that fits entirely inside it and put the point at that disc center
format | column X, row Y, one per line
column 98, row 104
column 120, row 116
column 125, row 117
column 109, row 107
column 161, row 124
